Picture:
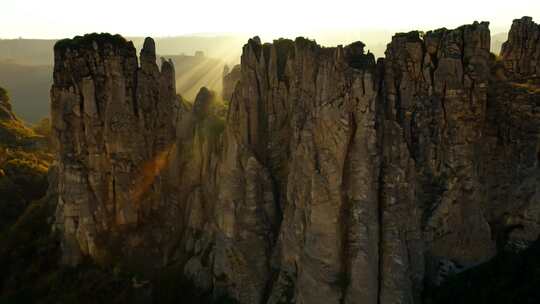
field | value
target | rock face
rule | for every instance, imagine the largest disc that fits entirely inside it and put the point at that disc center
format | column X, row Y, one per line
column 230, row 79
column 301, row 133
column 512, row 133
column 521, row 53
column 114, row 123
column 437, row 93
column 333, row 178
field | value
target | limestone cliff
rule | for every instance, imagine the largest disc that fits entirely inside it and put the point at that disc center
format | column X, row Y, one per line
column 330, row 178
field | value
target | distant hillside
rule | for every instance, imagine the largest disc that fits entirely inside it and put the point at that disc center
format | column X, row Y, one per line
column 27, row 51
column 40, row 52
column 24, row 158
column 26, row 67
column 29, row 87
column 26, row 64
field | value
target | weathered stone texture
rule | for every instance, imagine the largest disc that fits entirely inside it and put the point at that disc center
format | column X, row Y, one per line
column 230, row 79
column 333, row 179
column 114, row 126
column 521, row 53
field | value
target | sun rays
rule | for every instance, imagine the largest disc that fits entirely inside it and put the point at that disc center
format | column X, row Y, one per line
column 208, row 72
column 149, row 171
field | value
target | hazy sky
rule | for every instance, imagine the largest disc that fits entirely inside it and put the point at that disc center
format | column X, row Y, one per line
column 66, row 18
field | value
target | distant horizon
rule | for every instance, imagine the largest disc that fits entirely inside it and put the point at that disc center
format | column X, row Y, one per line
column 57, row 19
column 494, row 31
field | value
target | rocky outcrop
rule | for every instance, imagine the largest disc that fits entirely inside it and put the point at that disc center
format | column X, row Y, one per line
column 230, row 79
column 437, row 92
column 114, row 123
column 511, row 163
column 330, row 178
column 304, row 118
column 521, row 53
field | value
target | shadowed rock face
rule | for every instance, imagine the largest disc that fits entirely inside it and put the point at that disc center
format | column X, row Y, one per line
column 436, row 97
column 230, row 79
column 521, row 53
column 336, row 179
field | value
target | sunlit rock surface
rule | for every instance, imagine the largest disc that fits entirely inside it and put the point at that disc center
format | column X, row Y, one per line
column 330, row 178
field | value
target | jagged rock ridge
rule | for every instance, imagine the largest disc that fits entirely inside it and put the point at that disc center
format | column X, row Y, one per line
column 335, row 178
column 521, row 53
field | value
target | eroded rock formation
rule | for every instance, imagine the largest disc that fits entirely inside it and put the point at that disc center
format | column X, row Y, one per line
column 331, row 178
column 521, row 53
column 114, row 123
column 230, row 79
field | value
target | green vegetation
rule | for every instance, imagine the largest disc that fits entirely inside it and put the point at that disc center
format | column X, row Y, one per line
column 16, row 135
column 24, row 162
column 23, row 179
column 213, row 124
column 30, row 250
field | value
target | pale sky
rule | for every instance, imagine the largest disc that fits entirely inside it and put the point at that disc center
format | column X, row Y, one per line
column 67, row 18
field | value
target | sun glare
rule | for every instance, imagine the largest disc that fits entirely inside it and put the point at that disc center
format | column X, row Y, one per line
column 61, row 18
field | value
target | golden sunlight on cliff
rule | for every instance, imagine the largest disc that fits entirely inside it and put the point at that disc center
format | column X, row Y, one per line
column 149, row 171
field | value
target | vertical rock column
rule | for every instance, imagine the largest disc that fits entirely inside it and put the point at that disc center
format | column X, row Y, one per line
column 302, row 126
column 521, row 53
column 112, row 122
column 436, row 89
